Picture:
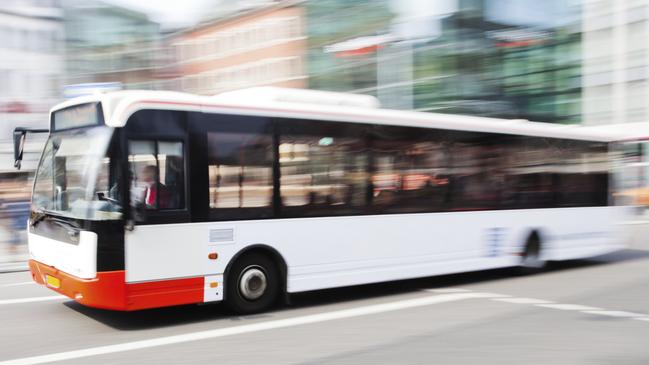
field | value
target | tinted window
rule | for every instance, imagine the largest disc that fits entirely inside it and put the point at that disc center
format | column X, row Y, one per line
column 476, row 177
column 411, row 170
column 531, row 171
column 237, row 155
column 323, row 168
column 261, row 168
column 240, row 170
column 582, row 178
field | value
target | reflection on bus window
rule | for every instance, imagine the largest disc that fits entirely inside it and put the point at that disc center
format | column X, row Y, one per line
column 410, row 171
column 240, row 170
column 477, row 178
column 73, row 178
column 322, row 172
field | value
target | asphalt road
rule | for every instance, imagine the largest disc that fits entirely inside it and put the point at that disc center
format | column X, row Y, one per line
column 593, row 311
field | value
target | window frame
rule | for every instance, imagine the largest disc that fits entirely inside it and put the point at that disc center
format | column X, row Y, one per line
column 238, row 213
column 369, row 134
column 149, row 129
column 157, row 215
column 200, row 125
column 314, row 128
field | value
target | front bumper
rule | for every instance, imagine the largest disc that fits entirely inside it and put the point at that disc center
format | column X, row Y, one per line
column 109, row 290
column 106, row 291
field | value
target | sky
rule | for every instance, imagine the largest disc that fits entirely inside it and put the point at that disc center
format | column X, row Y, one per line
column 170, row 13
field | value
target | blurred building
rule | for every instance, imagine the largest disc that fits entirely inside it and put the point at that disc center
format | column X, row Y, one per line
column 501, row 58
column 108, row 43
column 616, row 60
column 31, row 70
column 344, row 37
column 261, row 44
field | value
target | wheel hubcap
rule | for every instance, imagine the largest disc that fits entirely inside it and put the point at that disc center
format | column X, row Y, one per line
column 252, row 283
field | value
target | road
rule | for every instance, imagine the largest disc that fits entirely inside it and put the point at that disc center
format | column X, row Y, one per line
column 593, row 311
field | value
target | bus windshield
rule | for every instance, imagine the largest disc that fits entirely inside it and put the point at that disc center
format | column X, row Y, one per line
column 74, row 176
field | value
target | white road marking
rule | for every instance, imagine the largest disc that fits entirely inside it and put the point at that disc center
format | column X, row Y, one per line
column 619, row 314
column 523, row 300
column 449, row 295
column 458, row 290
column 447, row 290
column 254, row 327
column 33, row 299
column 569, row 307
column 18, row 284
column 574, row 307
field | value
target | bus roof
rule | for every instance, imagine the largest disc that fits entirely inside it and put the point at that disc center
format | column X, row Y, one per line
column 626, row 132
column 119, row 105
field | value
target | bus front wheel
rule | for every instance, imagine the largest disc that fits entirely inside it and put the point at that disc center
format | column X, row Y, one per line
column 252, row 284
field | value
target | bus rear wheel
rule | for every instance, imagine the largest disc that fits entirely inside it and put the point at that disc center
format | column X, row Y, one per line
column 531, row 261
column 252, row 284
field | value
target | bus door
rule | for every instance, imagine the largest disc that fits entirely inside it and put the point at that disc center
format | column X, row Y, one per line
column 156, row 241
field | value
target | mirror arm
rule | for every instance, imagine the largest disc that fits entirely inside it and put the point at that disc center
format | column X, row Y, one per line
column 20, row 135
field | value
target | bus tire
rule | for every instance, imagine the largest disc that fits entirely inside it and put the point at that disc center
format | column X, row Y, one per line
column 531, row 261
column 253, row 284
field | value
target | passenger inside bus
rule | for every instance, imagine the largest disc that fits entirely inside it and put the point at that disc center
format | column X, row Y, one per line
column 150, row 189
column 149, row 181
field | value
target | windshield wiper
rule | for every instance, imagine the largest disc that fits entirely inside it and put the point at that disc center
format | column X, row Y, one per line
column 72, row 228
column 37, row 216
column 40, row 215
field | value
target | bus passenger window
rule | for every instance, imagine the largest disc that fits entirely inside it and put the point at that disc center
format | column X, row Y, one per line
column 240, row 170
column 411, row 171
column 157, row 174
column 322, row 172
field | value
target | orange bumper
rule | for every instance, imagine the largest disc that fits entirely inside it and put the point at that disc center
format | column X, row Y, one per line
column 109, row 289
column 106, row 291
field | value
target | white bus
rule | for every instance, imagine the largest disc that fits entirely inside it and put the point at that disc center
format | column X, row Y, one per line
column 146, row 199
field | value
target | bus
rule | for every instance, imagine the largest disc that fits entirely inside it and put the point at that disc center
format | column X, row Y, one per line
column 147, row 199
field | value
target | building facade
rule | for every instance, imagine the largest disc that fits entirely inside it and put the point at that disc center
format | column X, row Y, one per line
column 616, row 60
column 107, row 43
column 264, row 45
column 500, row 58
column 31, row 72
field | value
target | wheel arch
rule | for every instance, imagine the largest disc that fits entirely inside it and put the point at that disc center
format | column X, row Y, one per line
column 529, row 234
column 264, row 249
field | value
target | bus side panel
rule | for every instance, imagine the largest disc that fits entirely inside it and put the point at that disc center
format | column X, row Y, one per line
column 339, row 251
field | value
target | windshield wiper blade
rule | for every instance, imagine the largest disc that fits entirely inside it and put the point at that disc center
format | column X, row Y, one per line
column 71, row 228
column 37, row 217
column 40, row 215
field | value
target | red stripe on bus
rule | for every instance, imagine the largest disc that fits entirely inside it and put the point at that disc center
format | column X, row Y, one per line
column 165, row 293
column 109, row 290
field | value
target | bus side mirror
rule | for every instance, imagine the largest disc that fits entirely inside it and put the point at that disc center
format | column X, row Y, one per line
column 19, row 146
column 20, row 135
